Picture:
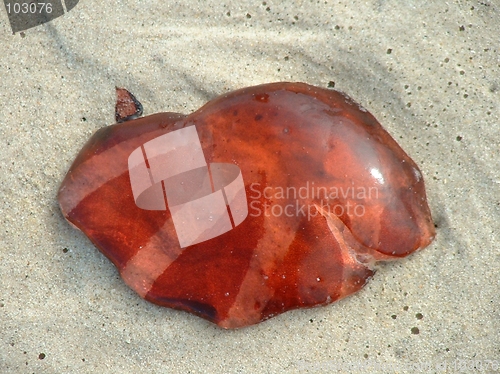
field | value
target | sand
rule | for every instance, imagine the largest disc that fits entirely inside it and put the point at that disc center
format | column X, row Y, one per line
column 430, row 74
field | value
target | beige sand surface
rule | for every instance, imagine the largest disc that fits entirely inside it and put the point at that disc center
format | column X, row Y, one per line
column 429, row 71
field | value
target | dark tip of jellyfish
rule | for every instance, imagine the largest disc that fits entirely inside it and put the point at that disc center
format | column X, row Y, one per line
column 127, row 106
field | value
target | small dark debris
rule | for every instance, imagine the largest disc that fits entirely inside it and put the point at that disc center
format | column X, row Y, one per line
column 462, row 72
column 389, row 51
column 459, row 138
column 415, row 331
column 337, row 27
column 41, row 356
column 461, row 28
column 249, row 15
column 419, row 315
column 287, row 58
column 65, row 250
column 331, row 84
column 394, row 316
column 405, row 308
column 127, row 107
column 365, row 355
column 84, row 119
column 446, row 60
column 228, row 14
column 311, row 320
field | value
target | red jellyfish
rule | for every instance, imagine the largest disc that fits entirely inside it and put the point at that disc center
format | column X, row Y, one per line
column 266, row 199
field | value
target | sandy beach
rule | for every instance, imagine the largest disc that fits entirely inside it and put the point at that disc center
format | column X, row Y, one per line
column 429, row 73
